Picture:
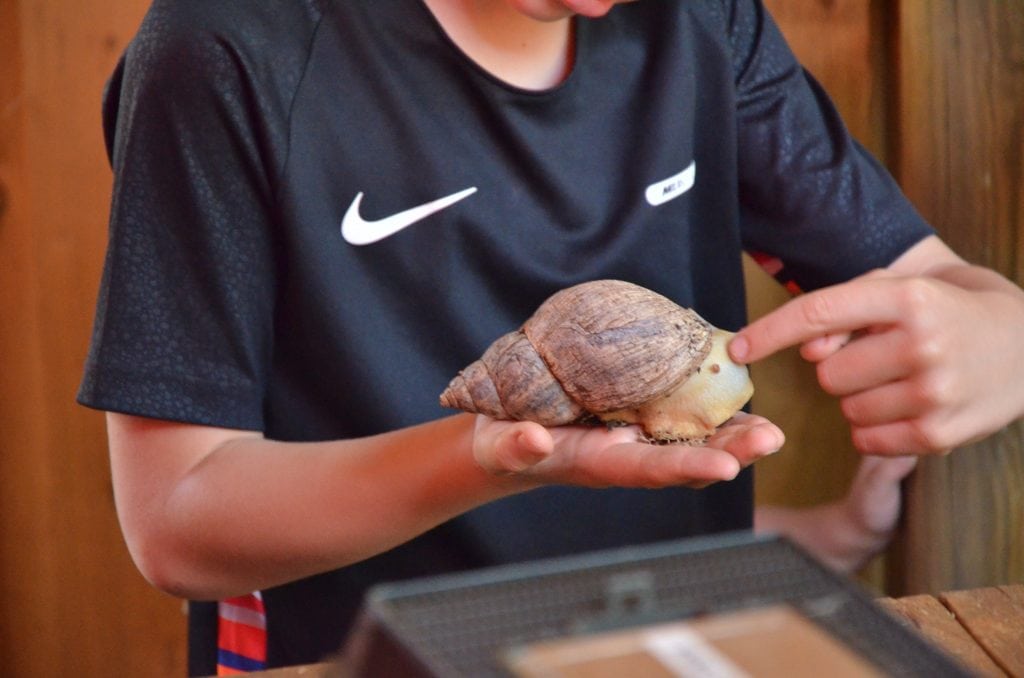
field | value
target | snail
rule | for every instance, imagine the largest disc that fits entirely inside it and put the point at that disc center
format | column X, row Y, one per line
column 608, row 351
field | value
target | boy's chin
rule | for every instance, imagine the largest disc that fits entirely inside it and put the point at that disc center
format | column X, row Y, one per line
column 555, row 10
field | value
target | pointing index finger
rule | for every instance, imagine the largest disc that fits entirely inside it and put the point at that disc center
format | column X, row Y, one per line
column 861, row 303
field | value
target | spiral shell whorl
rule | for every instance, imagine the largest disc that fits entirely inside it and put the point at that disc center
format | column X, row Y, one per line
column 594, row 348
column 472, row 390
column 510, row 381
column 616, row 345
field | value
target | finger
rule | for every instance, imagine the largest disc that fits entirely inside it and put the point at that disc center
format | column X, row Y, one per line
column 860, row 303
column 668, row 465
column 640, row 464
column 877, row 493
column 743, row 419
column 892, row 402
column 877, row 471
column 518, row 447
column 749, row 443
column 574, row 441
column 866, row 362
column 893, row 469
column 901, row 438
column 820, row 348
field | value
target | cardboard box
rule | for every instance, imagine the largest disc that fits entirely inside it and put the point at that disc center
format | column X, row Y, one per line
column 736, row 603
column 772, row 642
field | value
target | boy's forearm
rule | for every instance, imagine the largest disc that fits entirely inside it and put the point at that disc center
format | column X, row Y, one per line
column 297, row 509
column 976, row 278
column 933, row 258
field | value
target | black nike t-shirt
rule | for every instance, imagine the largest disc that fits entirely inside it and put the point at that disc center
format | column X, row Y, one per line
column 323, row 210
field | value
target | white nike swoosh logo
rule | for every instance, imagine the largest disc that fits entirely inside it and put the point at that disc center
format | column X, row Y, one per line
column 358, row 231
column 661, row 192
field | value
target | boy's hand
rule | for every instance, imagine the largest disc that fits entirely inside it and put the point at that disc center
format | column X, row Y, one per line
column 920, row 364
column 847, row 534
column 603, row 457
column 875, row 499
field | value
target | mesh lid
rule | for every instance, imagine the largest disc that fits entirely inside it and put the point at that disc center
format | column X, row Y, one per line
column 458, row 625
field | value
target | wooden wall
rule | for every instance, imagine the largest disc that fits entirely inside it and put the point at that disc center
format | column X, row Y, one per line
column 960, row 157
column 73, row 603
column 936, row 89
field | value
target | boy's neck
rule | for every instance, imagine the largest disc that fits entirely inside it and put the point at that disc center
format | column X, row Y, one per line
column 511, row 46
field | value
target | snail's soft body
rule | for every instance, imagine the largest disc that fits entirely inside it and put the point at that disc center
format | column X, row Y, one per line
column 611, row 351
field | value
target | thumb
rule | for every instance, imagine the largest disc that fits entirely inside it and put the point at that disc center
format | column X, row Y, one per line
column 876, row 491
column 874, row 471
column 518, row 447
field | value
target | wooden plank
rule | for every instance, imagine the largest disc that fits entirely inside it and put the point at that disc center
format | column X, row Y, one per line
column 936, row 623
column 63, row 558
column 959, row 154
column 1015, row 592
column 995, row 619
column 959, row 139
column 23, row 479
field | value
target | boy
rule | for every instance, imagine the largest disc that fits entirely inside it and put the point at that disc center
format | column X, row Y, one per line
column 323, row 210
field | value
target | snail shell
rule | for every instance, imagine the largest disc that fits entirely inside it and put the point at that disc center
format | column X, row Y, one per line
column 613, row 351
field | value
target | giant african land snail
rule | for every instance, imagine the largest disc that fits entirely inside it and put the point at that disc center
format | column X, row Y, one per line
column 608, row 351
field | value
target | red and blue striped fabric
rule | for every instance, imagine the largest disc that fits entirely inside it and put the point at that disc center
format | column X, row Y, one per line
column 774, row 267
column 241, row 635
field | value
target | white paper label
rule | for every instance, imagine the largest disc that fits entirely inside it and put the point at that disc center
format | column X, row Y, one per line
column 687, row 655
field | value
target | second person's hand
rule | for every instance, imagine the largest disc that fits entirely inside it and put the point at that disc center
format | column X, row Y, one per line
column 920, row 363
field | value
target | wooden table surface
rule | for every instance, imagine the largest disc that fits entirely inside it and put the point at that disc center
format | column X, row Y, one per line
column 982, row 628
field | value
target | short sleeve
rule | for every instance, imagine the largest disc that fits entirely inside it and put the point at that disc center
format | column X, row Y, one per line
column 812, row 198
column 183, row 325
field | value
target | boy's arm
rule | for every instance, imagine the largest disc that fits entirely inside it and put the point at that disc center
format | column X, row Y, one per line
column 208, row 512
column 924, row 355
